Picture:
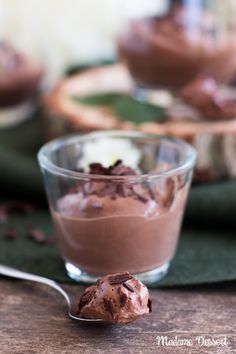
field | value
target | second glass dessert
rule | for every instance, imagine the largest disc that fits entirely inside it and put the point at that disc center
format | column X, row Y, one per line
column 167, row 44
column 117, row 201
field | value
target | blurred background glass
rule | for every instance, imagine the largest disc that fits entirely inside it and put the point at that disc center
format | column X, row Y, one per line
column 169, row 46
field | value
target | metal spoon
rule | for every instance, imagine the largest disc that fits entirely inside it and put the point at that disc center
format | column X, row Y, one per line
column 71, row 299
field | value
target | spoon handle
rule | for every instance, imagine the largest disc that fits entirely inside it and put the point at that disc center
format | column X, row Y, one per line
column 14, row 273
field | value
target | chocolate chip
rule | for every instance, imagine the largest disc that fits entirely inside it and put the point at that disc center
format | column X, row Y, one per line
column 117, row 169
column 149, row 304
column 85, row 298
column 129, row 287
column 119, row 278
column 97, row 169
column 108, row 306
column 121, row 170
column 122, row 298
column 10, row 234
column 37, row 236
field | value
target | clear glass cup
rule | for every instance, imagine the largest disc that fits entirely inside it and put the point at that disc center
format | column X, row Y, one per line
column 168, row 43
column 107, row 224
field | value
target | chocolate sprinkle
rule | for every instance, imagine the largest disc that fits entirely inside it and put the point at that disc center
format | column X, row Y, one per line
column 85, row 299
column 120, row 278
column 108, row 306
column 129, row 287
column 149, row 304
column 123, row 298
column 118, row 169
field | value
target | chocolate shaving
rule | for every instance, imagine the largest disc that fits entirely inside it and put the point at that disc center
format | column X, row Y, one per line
column 123, row 298
column 149, row 304
column 10, row 234
column 118, row 169
column 97, row 169
column 120, row 278
column 37, row 236
column 85, row 299
column 108, row 307
column 128, row 286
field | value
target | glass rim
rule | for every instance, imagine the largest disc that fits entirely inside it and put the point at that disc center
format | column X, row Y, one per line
column 46, row 164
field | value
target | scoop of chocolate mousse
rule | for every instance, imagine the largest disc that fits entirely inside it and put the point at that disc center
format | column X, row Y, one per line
column 19, row 77
column 211, row 100
column 116, row 298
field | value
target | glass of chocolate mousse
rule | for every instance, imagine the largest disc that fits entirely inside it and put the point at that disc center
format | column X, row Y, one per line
column 117, row 201
column 166, row 44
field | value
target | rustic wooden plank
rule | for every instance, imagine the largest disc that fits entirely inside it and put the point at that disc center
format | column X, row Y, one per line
column 33, row 320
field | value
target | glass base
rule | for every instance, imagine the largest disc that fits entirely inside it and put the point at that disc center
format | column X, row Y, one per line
column 149, row 278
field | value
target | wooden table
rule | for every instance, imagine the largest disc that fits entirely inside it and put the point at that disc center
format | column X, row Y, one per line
column 33, row 320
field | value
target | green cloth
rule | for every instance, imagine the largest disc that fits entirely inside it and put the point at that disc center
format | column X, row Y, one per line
column 207, row 249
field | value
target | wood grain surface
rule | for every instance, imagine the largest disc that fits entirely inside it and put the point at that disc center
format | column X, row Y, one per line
column 33, row 320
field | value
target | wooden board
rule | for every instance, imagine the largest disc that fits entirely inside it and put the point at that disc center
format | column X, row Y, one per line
column 33, row 321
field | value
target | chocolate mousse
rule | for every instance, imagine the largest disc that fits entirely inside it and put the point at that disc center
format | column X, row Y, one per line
column 210, row 99
column 170, row 51
column 107, row 225
column 116, row 298
column 19, row 78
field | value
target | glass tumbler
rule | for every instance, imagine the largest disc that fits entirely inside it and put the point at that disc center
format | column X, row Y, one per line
column 165, row 44
column 115, row 223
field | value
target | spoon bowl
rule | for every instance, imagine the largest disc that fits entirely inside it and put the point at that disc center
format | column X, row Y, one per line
column 71, row 299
